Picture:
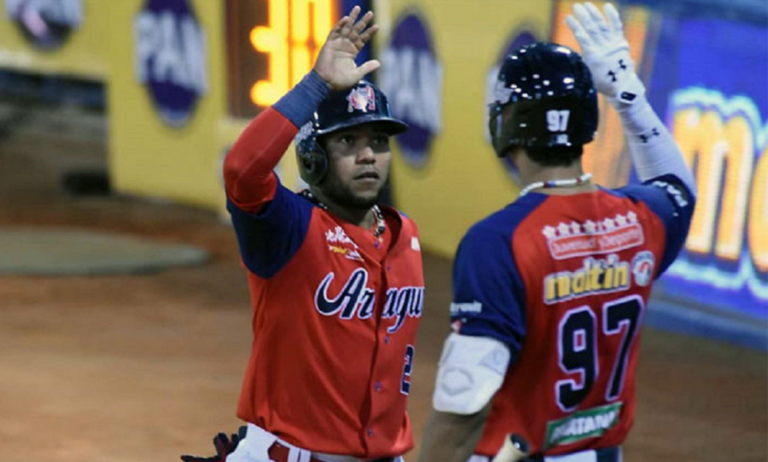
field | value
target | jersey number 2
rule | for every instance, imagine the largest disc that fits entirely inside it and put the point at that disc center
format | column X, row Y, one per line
column 577, row 346
column 405, row 384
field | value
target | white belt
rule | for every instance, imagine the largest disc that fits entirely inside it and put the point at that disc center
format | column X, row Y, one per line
column 258, row 441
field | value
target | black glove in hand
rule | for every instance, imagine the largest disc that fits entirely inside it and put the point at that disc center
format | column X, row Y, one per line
column 224, row 447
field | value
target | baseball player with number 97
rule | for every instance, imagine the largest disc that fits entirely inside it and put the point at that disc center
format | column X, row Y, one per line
column 336, row 278
column 550, row 292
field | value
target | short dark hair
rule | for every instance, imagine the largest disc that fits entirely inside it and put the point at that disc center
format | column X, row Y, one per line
column 556, row 156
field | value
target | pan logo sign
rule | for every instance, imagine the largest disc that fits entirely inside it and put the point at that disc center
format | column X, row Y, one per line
column 170, row 57
column 46, row 23
column 412, row 78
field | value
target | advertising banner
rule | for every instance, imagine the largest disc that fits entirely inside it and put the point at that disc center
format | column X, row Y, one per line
column 710, row 81
column 64, row 37
column 707, row 78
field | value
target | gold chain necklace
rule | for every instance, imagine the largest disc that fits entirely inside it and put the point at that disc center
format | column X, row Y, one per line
column 381, row 225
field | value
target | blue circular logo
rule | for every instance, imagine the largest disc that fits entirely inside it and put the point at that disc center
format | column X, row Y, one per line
column 518, row 40
column 170, row 57
column 46, row 23
column 412, row 79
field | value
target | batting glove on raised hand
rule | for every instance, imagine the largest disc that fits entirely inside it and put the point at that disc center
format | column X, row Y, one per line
column 606, row 52
column 224, row 447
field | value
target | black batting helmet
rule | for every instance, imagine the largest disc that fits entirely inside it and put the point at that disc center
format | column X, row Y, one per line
column 544, row 97
column 364, row 103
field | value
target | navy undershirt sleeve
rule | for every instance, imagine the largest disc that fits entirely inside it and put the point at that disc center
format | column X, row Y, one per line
column 299, row 104
column 673, row 203
column 269, row 239
column 488, row 292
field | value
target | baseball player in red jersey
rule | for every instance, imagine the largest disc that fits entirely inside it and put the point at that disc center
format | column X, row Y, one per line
column 550, row 292
column 336, row 279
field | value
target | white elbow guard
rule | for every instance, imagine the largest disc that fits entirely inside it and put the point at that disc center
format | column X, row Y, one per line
column 471, row 371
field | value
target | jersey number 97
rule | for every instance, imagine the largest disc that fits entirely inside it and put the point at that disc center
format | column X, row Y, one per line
column 578, row 348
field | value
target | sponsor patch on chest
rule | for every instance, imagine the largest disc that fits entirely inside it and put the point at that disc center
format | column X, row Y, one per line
column 339, row 243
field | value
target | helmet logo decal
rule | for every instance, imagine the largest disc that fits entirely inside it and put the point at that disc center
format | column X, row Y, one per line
column 361, row 99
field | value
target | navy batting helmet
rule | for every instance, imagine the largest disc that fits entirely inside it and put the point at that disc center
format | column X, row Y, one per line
column 544, row 97
column 364, row 103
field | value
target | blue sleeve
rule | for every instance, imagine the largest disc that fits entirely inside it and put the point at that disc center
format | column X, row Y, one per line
column 299, row 104
column 673, row 203
column 270, row 238
column 488, row 292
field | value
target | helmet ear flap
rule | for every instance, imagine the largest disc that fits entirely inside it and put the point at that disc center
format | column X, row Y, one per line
column 312, row 160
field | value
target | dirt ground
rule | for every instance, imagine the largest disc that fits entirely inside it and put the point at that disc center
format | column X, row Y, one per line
column 144, row 368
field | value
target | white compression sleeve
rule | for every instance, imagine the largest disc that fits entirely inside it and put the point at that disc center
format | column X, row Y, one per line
column 654, row 152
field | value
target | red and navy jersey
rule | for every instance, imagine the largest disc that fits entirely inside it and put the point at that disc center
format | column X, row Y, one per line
column 335, row 309
column 564, row 281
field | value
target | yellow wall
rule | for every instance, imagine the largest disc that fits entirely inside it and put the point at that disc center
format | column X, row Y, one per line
column 463, row 180
column 84, row 54
column 148, row 157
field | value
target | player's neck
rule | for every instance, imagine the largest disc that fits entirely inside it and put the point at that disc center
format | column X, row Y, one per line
column 360, row 216
column 532, row 173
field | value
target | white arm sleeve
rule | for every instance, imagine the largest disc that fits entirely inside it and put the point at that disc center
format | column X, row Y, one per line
column 471, row 371
column 654, row 152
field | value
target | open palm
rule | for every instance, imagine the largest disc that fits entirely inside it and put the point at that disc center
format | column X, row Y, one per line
column 336, row 60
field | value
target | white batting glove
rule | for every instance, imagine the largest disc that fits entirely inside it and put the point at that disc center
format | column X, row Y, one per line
column 606, row 52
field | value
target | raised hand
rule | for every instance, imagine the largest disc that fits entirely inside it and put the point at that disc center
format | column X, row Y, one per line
column 336, row 60
column 606, row 51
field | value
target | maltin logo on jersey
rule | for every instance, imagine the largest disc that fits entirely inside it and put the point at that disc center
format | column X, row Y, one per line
column 412, row 79
column 46, row 23
column 170, row 57
column 519, row 39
